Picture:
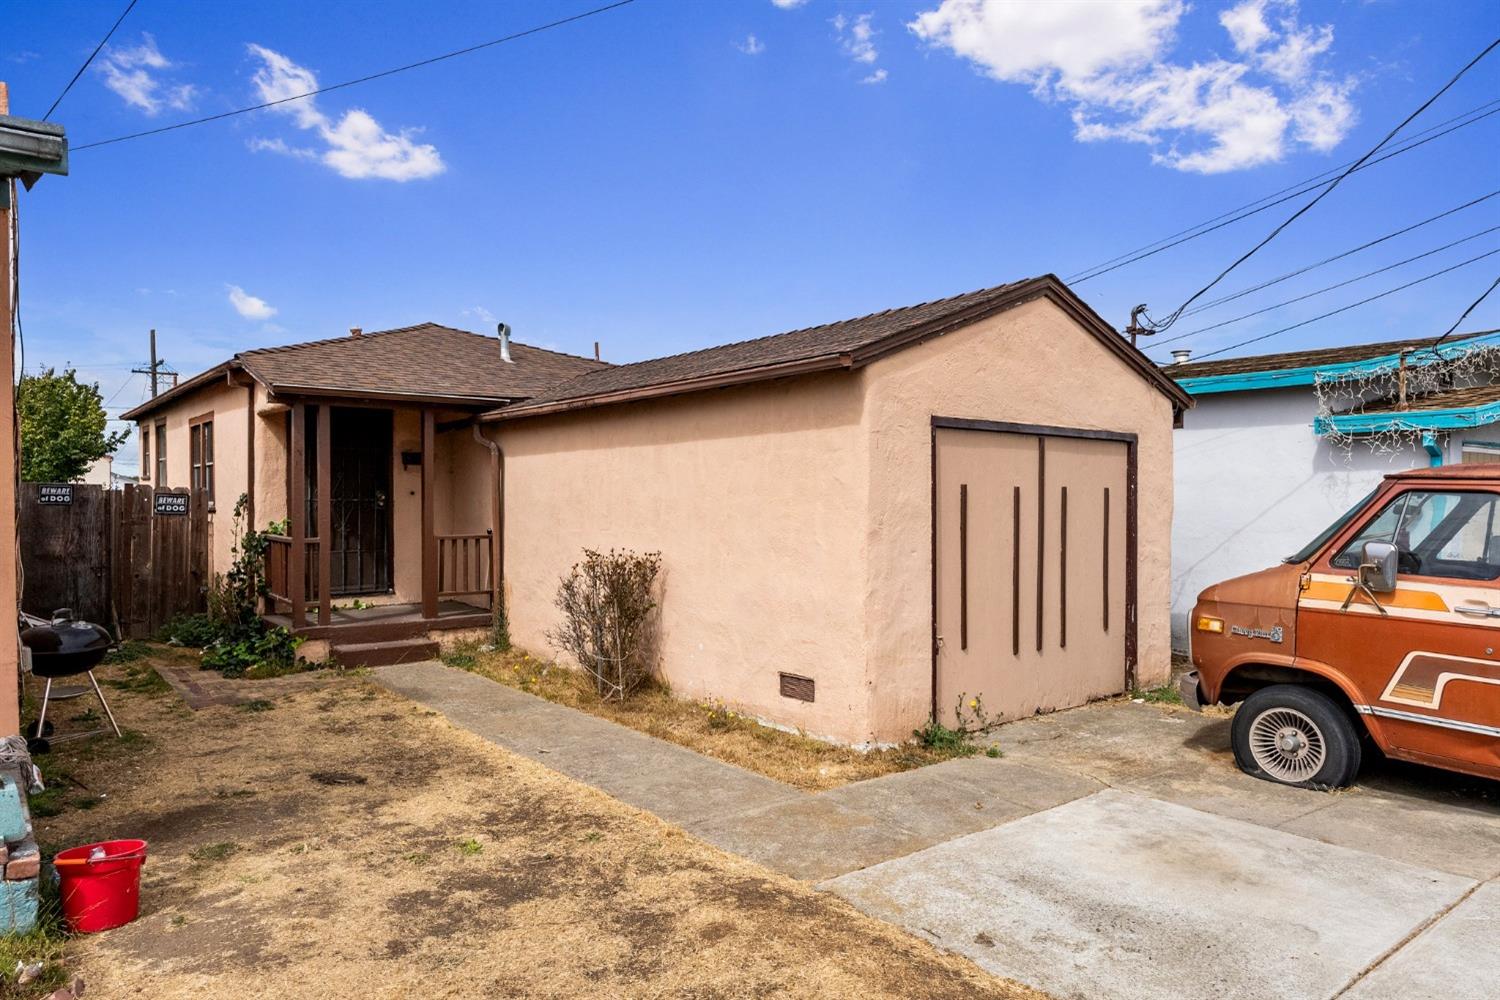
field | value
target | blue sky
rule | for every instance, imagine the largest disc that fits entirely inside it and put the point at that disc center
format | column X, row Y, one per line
column 672, row 175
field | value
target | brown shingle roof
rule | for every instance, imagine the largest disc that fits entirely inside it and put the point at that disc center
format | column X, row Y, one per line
column 846, row 344
column 1446, row 399
column 427, row 361
column 1303, row 359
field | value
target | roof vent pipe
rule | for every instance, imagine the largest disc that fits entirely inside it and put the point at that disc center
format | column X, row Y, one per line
column 504, row 330
column 1181, row 355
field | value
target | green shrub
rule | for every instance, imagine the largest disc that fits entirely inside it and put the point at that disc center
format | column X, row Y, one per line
column 195, row 630
column 256, row 646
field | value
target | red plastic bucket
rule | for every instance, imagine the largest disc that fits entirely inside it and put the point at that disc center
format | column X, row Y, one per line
column 101, row 884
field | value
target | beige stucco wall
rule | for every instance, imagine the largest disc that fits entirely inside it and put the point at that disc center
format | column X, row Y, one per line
column 755, row 498
column 228, row 405
column 1028, row 365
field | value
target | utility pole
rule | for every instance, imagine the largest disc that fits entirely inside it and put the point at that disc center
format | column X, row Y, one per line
column 155, row 368
column 1135, row 329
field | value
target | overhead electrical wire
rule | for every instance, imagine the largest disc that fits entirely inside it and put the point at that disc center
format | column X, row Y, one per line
column 1352, row 305
column 1156, row 326
column 1338, row 256
column 363, row 79
column 1291, row 191
column 102, row 42
column 1328, row 288
column 1465, row 314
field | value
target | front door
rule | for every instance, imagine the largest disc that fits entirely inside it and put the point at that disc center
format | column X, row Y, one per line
column 1031, row 583
column 360, row 479
column 1427, row 658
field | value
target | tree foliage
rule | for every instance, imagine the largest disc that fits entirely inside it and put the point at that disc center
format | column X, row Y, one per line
column 62, row 427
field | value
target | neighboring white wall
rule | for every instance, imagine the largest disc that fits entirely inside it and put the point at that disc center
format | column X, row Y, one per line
column 98, row 474
column 1255, row 484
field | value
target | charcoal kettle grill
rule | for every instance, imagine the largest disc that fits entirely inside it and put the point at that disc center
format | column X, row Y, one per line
column 63, row 647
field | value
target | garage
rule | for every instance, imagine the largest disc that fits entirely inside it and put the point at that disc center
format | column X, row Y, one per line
column 992, row 469
column 1034, row 596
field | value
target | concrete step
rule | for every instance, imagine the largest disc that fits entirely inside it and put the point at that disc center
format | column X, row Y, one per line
column 382, row 654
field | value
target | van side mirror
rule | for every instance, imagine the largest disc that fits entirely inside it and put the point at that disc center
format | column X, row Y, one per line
column 1378, row 566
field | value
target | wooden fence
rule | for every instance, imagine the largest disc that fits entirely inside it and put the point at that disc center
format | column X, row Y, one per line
column 127, row 559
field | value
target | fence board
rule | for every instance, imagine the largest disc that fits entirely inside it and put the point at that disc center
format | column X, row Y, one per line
column 65, row 552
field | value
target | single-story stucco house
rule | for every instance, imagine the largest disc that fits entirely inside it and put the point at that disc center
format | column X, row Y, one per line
column 858, row 522
column 1260, row 470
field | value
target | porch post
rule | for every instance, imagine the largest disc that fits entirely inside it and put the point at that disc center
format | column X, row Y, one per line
column 429, row 527
column 325, row 516
column 296, row 480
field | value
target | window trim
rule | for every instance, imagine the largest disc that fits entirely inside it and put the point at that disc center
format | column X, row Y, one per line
column 201, row 455
column 148, row 468
column 161, row 453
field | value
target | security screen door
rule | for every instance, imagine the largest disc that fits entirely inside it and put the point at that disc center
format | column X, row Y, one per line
column 1031, row 608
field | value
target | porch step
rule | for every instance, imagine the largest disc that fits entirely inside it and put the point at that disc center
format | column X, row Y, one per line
column 382, row 654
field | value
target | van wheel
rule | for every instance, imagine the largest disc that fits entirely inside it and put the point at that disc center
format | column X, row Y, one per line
column 1294, row 735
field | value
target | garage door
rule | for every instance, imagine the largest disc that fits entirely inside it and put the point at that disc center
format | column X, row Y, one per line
column 1034, row 607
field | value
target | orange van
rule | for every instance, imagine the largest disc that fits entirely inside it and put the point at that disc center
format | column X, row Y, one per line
column 1385, row 629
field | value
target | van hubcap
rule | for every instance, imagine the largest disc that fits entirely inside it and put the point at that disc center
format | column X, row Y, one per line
column 1287, row 745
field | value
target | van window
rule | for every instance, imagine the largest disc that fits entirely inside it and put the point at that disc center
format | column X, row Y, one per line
column 1437, row 534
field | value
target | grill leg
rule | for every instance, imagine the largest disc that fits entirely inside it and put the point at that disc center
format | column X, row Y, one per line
column 107, row 712
column 41, row 719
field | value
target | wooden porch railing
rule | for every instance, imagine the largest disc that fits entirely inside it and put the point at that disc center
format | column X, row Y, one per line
column 278, row 569
column 464, row 565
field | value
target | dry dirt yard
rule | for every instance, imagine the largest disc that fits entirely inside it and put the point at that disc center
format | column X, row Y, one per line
column 345, row 842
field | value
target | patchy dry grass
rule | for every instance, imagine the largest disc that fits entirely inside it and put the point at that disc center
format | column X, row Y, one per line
column 714, row 730
column 456, row 869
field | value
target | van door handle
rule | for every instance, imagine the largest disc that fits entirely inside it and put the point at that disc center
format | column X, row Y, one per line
column 1477, row 609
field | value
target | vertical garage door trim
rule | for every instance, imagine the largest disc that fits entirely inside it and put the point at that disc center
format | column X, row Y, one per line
column 1042, row 432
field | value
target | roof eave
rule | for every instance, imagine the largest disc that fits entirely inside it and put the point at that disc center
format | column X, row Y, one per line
column 677, row 387
column 181, row 390
column 343, row 392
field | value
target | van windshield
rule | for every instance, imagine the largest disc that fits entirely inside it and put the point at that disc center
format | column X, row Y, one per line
column 1312, row 547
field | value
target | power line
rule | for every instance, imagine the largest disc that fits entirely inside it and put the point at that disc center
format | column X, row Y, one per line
column 1329, row 288
column 1315, row 180
column 1285, row 198
column 1472, row 306
column 1339, row 256
column 1177, row 313
column 1341, row 309
column 363, row 79
column 102, row 42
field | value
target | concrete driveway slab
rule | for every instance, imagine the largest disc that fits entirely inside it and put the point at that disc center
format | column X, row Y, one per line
column 928, row 805
column 1463, row 839
column 1119, row 895
column 1451, row 960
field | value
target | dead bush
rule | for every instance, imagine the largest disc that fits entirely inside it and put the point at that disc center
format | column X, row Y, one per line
column 608, row 602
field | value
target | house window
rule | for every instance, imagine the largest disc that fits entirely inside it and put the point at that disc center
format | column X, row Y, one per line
column 146, row 453
column 161, row 454
column 201, row 455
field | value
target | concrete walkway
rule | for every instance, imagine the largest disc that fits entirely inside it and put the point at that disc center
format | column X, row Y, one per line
column 806, row 836
column 1113, row 851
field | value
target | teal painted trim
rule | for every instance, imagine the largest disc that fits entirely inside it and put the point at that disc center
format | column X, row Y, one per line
column 1409, row 420
column 1433, row 449
column 1280, row 378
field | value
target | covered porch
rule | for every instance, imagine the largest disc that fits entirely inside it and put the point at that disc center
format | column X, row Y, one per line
column 399, row 527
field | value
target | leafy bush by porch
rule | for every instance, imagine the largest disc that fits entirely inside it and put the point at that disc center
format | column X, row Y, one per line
column 234, row 638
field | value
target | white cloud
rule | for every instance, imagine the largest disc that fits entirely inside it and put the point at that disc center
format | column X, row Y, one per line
column 135, row 74
column 248, row 305
column 789, row 4
column 1109, row 62
column 480, row 313
column 879, row 76
column 356, row 145
column 751, row 46
column 857, row 36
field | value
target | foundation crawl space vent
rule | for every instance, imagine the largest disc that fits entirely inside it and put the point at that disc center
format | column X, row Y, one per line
column 794, row 686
